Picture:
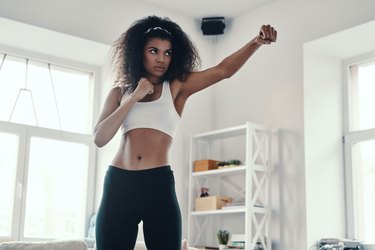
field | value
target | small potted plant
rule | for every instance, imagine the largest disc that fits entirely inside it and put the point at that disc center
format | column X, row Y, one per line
column 223, row 237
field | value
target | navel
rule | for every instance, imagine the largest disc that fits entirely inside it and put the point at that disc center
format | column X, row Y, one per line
column 139, row 157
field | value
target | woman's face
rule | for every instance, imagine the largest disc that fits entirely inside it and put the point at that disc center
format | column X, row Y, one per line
column 157, row 56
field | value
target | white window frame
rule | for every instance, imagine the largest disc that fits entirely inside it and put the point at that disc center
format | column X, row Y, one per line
column 350, row 138
column 25, row 132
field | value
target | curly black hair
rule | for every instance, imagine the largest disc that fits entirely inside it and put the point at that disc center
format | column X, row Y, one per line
column 128, row 51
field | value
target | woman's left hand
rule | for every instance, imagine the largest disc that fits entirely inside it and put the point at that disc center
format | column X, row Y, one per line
column 267, row 35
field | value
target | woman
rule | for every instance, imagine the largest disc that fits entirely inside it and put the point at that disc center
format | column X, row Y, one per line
column 156, row 66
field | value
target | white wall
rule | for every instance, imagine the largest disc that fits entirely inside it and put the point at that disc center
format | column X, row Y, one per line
column 269, row 90
column 324, row 171
column 324, row 87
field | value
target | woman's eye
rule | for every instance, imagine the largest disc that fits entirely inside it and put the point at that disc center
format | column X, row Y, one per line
column 153, row 51
column 168, row 53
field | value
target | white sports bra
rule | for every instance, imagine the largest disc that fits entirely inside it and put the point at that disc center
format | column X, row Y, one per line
column 160, row 114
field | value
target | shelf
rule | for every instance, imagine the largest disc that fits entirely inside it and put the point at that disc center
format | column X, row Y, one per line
column 219, row 211
column 226, row 171
column 223, row 171
column 228, row 132
column 250, row 181
column 222, row 133
column 259, row 210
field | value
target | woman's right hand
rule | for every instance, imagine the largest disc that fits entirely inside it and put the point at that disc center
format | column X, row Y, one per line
column 144, row 87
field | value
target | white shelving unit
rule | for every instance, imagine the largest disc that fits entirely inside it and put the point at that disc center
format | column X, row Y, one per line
column 248, row 183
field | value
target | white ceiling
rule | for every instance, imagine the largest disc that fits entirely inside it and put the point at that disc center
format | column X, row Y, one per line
column 208, row 8
column 103, row 20
column 344, row 44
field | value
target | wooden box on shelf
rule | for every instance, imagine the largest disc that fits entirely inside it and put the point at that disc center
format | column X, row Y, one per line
column 211, row 202
column 203, row 165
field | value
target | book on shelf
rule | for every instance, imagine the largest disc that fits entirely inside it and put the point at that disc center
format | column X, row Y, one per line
column 205, row 247
column 237, row 241
column 234, row 205
column 236, row 245
column 238, row 205
column 226, row 248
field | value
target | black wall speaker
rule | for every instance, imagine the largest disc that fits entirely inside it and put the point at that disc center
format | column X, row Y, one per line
column 213, row 25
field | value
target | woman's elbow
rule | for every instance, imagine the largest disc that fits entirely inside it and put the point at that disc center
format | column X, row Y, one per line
column 99, row 142
column 226, row 73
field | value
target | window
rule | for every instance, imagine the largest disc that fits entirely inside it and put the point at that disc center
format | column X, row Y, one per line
column 362, row 101
column 45, row 95
column 8, row 162
column 46, row 156
column 56, row 187
column 360, row 150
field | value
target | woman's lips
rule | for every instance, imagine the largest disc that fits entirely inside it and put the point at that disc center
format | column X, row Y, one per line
column 158, row 68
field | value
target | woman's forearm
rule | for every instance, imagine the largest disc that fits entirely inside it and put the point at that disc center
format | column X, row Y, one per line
column 235, row 61
column 231, row 64
column 106, row 129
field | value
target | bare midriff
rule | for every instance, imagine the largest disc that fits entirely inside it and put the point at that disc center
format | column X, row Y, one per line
column 142, row 149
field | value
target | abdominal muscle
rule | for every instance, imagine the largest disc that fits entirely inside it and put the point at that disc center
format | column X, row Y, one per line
column 143, row 148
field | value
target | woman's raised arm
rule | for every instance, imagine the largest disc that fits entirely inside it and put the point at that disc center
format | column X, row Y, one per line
column 230, row 65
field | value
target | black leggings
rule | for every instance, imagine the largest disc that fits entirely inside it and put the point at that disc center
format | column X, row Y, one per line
column 131, row 196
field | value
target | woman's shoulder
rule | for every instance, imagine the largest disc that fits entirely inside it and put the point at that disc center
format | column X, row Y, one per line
column 116, row 92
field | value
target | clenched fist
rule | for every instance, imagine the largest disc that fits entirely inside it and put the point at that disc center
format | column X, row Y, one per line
column 267, row 35
column 144, row 88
